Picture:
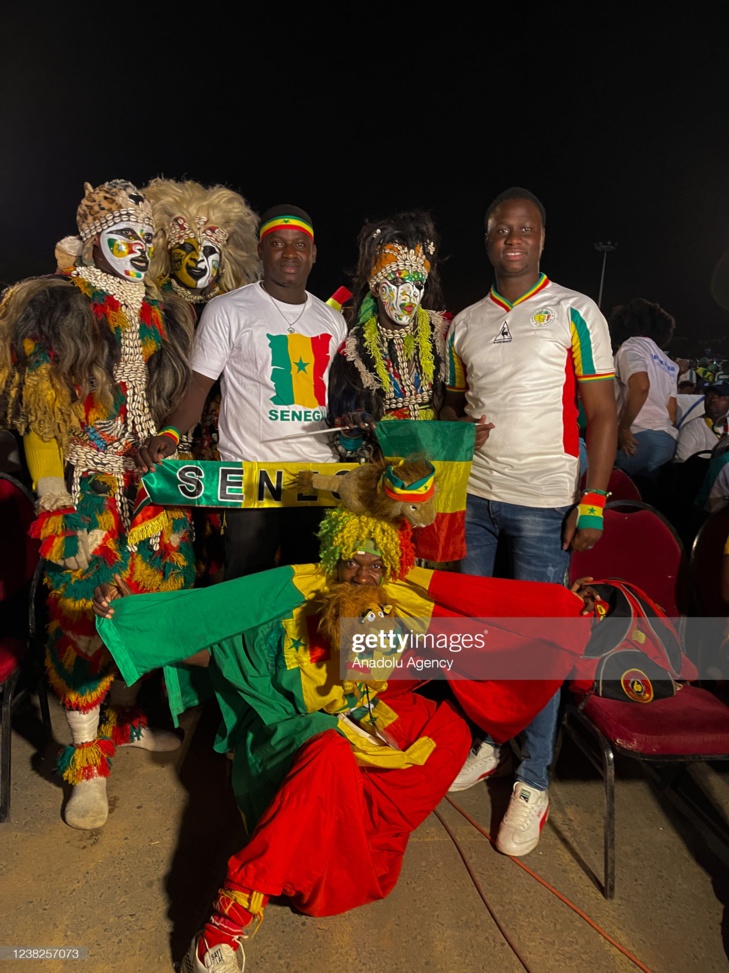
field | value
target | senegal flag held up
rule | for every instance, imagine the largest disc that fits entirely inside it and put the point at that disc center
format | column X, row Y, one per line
column 278, row 682
column 449, row 447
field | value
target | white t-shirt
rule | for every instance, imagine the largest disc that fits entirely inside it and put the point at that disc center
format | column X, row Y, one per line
column 643, row 355
column 689, row 407
column 695, row 436
column 273, row 383
column 519, row 365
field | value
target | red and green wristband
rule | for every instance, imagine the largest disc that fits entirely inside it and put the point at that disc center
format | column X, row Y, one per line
column 590, row 509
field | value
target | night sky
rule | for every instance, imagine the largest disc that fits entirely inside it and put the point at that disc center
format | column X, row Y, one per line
column 616, row 117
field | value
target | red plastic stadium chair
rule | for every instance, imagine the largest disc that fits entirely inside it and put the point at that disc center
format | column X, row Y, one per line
column 621, row 487
column 641, row 547
column 20, row 576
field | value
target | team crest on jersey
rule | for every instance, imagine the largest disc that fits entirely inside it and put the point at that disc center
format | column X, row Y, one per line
column 503, row 335
column 543, row 317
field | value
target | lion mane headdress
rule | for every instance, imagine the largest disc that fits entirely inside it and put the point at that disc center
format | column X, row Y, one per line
column 188, row 210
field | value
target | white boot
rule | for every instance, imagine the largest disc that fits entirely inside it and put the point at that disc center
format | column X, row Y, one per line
column 88, row 807
column 121, row 697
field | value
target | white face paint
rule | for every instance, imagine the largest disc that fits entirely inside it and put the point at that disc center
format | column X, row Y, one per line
column 195, row 265
column 400, row 295
column 126, row 249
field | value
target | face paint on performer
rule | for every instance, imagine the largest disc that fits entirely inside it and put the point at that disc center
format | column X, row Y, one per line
column 195, row 266
column 126, row 249
column 400, row 294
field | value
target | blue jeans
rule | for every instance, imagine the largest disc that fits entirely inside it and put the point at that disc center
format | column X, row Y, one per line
column 655, row 449
column 534, row 540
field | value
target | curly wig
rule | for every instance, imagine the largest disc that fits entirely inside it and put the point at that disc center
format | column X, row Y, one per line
column 342, row 533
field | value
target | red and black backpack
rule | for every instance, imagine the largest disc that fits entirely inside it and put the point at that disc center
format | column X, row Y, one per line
column 634, row 653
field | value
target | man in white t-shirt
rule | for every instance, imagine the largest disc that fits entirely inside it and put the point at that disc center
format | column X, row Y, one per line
column 271, row 344
column 702, row 430
column 519, row 358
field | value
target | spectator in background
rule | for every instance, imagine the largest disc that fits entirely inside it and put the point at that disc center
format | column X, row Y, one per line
column 702, row 431
column 687, row 377
column 705, row 372
column 646, row 386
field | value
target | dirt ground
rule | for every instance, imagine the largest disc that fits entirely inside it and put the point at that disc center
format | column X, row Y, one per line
column 136, row 891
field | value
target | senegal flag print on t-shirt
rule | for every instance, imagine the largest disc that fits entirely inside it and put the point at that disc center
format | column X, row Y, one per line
column 298, row 365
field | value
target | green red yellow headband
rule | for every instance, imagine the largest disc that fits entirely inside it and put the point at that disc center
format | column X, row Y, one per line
column 368, row 546
column 417, row 492
column 286, row 223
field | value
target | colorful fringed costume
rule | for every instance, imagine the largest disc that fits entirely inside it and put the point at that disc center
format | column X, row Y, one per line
column 89, row 363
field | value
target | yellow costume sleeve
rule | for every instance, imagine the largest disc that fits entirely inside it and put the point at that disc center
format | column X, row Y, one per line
column 45, row 462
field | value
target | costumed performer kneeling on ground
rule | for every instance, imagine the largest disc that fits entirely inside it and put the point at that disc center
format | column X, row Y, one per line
column 328, row 769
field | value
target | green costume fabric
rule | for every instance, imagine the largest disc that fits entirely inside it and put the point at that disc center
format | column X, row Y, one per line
column 265, row 719
column 278, row 682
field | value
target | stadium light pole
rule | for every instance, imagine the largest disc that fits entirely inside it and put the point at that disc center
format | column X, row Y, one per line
column 605, row 249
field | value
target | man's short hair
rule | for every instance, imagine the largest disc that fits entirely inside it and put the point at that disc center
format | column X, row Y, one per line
column 719, row 388
column 516, row 192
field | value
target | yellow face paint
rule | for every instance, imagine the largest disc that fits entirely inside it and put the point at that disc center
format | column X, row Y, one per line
column 194, row 265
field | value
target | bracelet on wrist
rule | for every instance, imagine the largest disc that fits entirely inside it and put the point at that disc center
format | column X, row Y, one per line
column 171, row 433
column 593, row 498
column 590, row 510
column 349, row 443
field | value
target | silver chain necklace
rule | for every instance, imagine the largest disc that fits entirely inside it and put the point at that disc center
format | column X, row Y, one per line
column 290, row 325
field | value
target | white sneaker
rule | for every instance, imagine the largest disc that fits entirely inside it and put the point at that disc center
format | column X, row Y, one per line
column 523, row 822
column 154, row 739
column 219, row 959
column 484, row 760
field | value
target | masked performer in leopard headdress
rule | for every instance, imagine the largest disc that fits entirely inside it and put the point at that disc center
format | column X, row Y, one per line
column 90, row 361
column 393, row 362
